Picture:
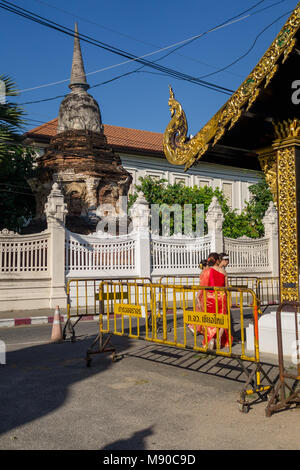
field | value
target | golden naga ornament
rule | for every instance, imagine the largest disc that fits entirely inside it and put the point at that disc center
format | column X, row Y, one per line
column 180, row 150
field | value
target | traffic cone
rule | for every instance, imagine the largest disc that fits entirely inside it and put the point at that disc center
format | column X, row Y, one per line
column 56, row 335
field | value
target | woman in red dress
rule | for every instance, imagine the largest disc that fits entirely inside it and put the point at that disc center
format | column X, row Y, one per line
column 211, row 276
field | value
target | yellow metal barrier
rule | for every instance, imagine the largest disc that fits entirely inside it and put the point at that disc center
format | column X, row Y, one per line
column 142, row 311
column 268, row 291
column 180, row 279
column 233, row 281
column 266, row 288
column 82, row 300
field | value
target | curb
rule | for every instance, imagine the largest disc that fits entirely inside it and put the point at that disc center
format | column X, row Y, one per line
column 11, row 322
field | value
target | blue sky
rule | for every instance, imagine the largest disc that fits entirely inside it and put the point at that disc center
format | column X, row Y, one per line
column 33, row 55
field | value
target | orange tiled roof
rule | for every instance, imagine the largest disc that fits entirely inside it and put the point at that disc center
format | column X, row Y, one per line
column 117, row 137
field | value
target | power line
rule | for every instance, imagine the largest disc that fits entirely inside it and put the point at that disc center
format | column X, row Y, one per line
column 139, row 69
column 157, row 73
column 144, row 42
column 249, row 50
column 44, row 21
column 15, row 192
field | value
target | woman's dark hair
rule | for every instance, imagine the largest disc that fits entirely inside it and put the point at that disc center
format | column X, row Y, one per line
column 203, row 263
column 222, row 255
column 212, row 259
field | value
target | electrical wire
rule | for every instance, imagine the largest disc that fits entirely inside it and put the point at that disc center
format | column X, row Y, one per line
column 118, row 32
column 249, row 50
column 139, row 69
column 225, row 23
column 15, row 192
column 41, row 20
column 45, row 22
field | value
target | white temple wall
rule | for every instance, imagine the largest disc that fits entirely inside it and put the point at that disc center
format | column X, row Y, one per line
column 34, row 268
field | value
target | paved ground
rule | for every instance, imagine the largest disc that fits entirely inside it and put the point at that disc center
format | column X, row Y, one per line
column 155, row 398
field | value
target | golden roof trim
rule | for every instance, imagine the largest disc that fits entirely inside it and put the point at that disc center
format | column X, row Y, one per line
column 179, row 150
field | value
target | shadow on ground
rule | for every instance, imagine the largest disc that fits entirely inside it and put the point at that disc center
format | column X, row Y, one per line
column 36, row 380
column 137, row 441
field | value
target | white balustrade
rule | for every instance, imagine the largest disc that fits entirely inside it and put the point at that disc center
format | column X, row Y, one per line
column 34, row 268
column 182, row 256
column 86, row 255
column 247, row 255
column 24, row 253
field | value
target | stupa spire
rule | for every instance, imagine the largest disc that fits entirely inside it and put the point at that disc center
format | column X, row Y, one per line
column 78, row 77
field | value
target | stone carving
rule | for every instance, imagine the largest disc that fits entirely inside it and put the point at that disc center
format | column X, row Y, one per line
column 140, row 213
column 55, row 207
column 5, row 233
column 79, row 111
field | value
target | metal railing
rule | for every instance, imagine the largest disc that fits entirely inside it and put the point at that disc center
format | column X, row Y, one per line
column 142, row 311
column 287, row 391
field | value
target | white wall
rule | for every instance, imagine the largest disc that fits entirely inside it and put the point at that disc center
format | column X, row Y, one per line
column 214, row 174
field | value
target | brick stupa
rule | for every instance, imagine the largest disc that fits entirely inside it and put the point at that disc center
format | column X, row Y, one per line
column 88, row 171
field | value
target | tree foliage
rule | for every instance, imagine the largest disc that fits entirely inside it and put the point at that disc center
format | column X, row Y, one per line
column 17, row 202
column 11, row 115
column 248, row 222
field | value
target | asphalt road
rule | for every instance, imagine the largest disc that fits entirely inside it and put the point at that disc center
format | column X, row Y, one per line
column 156, row 398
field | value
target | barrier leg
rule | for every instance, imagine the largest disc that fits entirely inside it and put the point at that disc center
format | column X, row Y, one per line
column 69, row 328
column 104, row 346
column 253, row 380
column 280, row 398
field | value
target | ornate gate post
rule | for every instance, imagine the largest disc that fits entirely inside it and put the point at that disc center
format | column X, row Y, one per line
column 56, row 210
column 287, row 148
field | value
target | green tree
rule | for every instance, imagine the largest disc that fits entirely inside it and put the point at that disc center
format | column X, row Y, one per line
column 158, row 192
column 17, row 202
column 261, row 197
column 11, row 116
column 248, row 223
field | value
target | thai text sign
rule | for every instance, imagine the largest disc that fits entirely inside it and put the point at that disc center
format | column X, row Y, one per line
column 111, row 295
column 128, row 309
column 215, row 320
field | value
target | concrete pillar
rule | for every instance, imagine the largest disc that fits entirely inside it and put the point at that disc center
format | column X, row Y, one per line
column 140, row 215
column 270, row 222
column 215, row 219
column 56, row 210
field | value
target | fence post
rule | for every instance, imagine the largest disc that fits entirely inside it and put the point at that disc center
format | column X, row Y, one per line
column 56, row 210
column 270, row 222
column 215, row 219
column 140, row 216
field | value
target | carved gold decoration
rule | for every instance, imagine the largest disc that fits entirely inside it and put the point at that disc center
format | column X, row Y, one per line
column 287, row 129
column 271, row 75
column 177, row 147
column 253, row 98
column 268, row 165
column 288, row 50
column 287, row 212
column 179, row 150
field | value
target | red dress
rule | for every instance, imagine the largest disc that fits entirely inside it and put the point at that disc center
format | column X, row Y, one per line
column 210, row 277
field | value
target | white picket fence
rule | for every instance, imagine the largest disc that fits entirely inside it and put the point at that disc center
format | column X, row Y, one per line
column 247, row 254
column 34, row 268
column 91, row 257
column 24, row 254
